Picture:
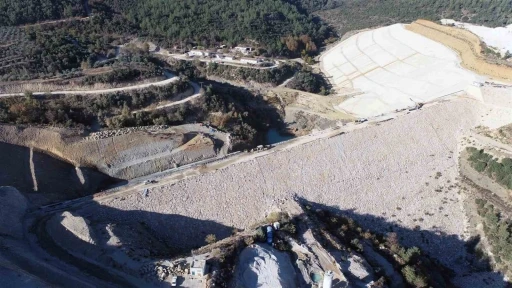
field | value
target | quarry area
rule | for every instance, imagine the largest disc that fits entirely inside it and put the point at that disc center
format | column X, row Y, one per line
column 385, row 182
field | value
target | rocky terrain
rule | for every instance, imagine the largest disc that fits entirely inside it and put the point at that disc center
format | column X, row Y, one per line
column 37, row 160
column 386, row 170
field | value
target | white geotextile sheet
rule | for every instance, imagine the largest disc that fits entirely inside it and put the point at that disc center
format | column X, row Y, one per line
column 396, row 68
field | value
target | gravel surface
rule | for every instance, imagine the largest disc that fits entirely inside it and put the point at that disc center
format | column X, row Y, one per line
column 395, row 175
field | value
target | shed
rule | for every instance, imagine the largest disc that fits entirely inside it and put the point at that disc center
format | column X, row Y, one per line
column 198, row 268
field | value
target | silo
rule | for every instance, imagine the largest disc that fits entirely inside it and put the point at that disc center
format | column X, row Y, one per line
column 327, row 279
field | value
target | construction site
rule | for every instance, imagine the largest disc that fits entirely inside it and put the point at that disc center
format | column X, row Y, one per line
column 375, row 189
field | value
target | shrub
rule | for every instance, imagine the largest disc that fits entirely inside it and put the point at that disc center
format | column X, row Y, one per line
column 408, row 254
column 210, row 238
column 413, row 277
column 260, row 235
column 289, row 227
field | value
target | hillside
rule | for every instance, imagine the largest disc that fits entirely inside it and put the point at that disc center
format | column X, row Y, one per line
column 348, row 15
column 18, row 12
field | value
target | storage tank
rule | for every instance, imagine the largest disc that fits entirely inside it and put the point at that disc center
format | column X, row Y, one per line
column 327, row 279
column 269, row 235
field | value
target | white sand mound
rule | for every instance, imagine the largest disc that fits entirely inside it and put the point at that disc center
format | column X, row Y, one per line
column 12, row 208
column 262, row 266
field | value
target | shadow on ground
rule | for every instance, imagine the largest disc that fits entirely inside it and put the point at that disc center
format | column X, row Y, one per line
column 145, row 236
column 53, row 180
column 447, row 250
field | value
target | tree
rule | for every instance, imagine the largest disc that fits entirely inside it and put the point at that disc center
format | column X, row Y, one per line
column 413, row 277
column 210, row 238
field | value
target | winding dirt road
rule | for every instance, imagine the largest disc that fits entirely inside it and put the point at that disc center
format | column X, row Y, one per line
column 102, row 91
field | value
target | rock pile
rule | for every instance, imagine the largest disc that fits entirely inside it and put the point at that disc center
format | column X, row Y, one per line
column 160, row 272
column 112, row 133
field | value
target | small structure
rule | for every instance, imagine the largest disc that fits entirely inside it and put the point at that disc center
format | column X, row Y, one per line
column 243, row 50
column 327, row 283
column 198, row 268
column 270, row 235
column 478, row 84
column 250, row 61
column 192, row 53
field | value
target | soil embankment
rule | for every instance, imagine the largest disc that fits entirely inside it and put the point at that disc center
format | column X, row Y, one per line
column 466, row 44
column 56, row 180
column 12, row 209
column 124, row 154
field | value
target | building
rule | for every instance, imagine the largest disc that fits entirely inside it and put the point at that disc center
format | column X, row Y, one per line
column 193, row 53
column 243, row 50
column 198, row 268
column 251, row 61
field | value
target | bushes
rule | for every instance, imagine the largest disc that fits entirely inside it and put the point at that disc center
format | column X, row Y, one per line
column 210, row 238
column 497, row 229
column 413, row 277
column 418, row 269
column 197, row 69
column 111, row 110
column 309, row 82
column 482, row 162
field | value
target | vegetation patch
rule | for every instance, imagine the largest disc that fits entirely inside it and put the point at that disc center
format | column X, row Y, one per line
column 350, row 15
column 499, row 171
column 198, row 69
column 83, row 111
column 309, row 82
column 497, row 229
column 418, row 269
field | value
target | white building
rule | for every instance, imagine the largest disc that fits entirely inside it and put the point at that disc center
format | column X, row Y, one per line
column 252, row 61
column 243, row 50
column 198, row 268
column 193, row 53
column 224, row 57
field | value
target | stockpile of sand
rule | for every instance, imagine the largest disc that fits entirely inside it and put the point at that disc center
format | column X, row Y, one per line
column 262, row 266
column 12, row 209
column 466, row 44
column 72, row 233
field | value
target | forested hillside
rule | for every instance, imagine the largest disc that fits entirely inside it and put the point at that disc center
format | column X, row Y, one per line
column 230, row 22
column 17, row 12
column 359, row 14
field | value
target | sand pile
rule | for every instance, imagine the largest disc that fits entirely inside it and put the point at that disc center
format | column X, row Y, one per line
column 466, row 44
column 262, row 266
column 72, row 233
column 12, row 209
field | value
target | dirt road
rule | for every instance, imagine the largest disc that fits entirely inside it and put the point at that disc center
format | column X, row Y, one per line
column 102, row 91
column 196, row 94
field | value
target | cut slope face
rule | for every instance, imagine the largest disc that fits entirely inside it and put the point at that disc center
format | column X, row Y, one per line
column 395, row 68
